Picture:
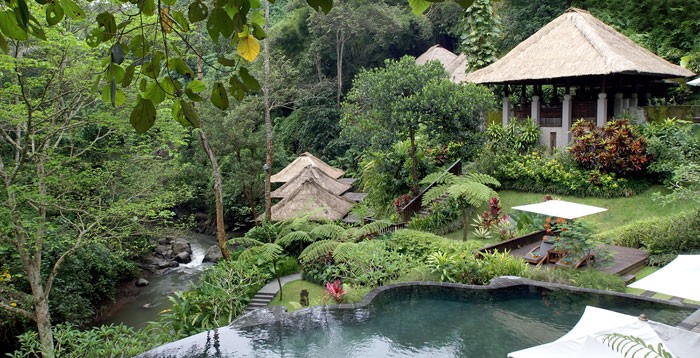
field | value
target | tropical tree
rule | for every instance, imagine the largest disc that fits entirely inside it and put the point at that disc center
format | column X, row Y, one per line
column 481, row 29
column 469, row 191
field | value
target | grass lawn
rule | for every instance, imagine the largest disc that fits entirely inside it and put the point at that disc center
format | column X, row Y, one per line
column 620, row 210
column 290, row 295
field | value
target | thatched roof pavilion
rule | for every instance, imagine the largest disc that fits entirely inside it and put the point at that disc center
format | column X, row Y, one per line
column 589, row 59
column 311, row 199
column 454, row 65
column 298, row 165
column 575, row 44
column 319, row 176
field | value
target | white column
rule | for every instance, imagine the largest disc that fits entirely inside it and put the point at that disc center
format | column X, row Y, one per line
column 618, row 105
column 506, row 111
column 602, row 113
column 634, row 102
column 563, row 141
column 535, row 109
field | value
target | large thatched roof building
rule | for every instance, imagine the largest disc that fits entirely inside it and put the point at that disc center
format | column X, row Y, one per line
column 298, row 165
column 310, row 198
column 587, row 58
column 455, row 66
column 319, row 176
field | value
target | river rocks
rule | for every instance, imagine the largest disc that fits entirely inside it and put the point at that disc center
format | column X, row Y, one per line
column 213, row 254
column 183, row 257
column 179, row 245
column 141, row 282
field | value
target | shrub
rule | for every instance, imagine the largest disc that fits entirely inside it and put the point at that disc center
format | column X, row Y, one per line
column 614, row 148
column 418, row 244
column 465, row 268
column 589, row 278
column 443, row 218
column 103, row 341
column 661, row 237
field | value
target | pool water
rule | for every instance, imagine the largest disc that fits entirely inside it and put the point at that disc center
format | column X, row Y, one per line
column 419, row 321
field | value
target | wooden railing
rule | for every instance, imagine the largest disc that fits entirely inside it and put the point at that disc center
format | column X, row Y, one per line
column 512, row 244
column 416, row 203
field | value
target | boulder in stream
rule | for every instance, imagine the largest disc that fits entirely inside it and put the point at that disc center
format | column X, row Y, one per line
column 213, row 254
column 181, row 245
column 141, row 282
column 183, row 257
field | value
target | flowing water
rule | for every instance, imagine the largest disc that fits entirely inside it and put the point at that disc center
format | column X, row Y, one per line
column 153, row 299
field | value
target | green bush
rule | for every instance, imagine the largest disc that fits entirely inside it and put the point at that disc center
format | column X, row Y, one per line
column 103, row 341
column 444, row 217
column 221, row 294
column 661, row 237
column 418, row 244
column 589, row 278
column 464, row 267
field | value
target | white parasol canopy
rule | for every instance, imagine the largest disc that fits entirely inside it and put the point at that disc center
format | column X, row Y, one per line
column 561, row 209
column 586, row 338
column 675, row 278
column 695, row 82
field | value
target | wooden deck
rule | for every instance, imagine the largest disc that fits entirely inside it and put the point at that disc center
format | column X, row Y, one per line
column 623, row 259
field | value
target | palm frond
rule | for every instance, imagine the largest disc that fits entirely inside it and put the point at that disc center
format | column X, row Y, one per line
column 294, row 237
column 438, row 178
column 244, row 241
column 318, row 249
column 284, row 227
column 482, row 179
column 473, row 193
column 434, row 193
column 373, row 227
column 328, row 231
column 266, row 252
column 352, row 234
column 344, row 251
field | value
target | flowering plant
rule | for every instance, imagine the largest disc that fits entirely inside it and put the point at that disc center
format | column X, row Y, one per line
column 335, row 290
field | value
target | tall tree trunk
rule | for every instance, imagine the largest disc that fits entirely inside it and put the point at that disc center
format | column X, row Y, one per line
column 42, row 317
column 466, row 212
column 414, row 164
column 218, row 195
column 339, row 50
column 268, row 120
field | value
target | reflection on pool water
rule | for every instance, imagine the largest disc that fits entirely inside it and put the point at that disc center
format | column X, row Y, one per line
column 419, row 321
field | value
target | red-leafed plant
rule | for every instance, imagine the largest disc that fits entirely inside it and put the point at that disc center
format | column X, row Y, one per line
column 614, row 148
column 335, row 290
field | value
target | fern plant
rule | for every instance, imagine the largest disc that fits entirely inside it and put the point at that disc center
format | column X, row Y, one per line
column 631, row 346
column 469, row 191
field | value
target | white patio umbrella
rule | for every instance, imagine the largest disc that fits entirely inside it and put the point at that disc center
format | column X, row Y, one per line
column 695, row 82
column 586, row 338
column 561, row 209
column 675, row 278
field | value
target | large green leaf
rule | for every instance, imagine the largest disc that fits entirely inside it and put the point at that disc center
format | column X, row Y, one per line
column 10, row 27
column 152, row 68
column 219, row 23
column 148, row 7
column 197, row 11
column 112, row 95
column 128, row 75
column 321, row 5
column 72, row 9
column 180, row 20
column 190, row 114
column 3, row 44
column 180, row 66
column 22, row 14
column 219, row 96
column 106, row 22
column 196, row 86
column 419, row 6
column 139, row 46
column 237, row 88
column 154, row 93
column 143, row 117
column 250, row 82
column 54, row 14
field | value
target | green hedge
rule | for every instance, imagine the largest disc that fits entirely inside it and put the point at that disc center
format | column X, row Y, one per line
column 662, row 237
column 419, row 244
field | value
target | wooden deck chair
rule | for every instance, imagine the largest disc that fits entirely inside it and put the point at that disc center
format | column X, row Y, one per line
column 539, row 254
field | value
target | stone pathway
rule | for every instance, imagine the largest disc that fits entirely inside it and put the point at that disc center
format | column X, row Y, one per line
column 265, row 295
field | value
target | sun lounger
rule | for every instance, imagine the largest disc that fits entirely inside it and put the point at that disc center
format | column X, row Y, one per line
column 540, row 253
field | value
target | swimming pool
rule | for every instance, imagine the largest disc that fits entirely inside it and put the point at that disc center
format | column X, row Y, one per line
column 420, row 321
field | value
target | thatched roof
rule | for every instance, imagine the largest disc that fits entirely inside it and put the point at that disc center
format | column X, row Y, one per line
column 321, row 178
column 572, row 45
column 454, row 65
column 295, row 167
column 313, row 200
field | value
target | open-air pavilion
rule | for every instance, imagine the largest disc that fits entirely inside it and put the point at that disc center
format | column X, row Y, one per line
column 602, row 73
column 312, row 200
column 298, row 165
column 455, row 65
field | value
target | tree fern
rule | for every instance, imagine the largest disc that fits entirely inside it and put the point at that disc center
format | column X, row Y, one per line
column 266, row 252
column 373, row 228
column 482, row 179
column 318, row 249
column 245, row 241
column 473, row 193
column 328, row 231
column 631, row 346
column 438, row 178
column 293, row 238
column 434, row 193
column 344, row 251
column 285, row 227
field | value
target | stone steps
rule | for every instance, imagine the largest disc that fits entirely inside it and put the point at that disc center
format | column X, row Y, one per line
column 260, row 300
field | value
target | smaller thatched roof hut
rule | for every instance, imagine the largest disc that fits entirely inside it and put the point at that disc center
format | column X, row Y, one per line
column 455, row 66
column 298, row 165
column 321, row 178
column 311, row 199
